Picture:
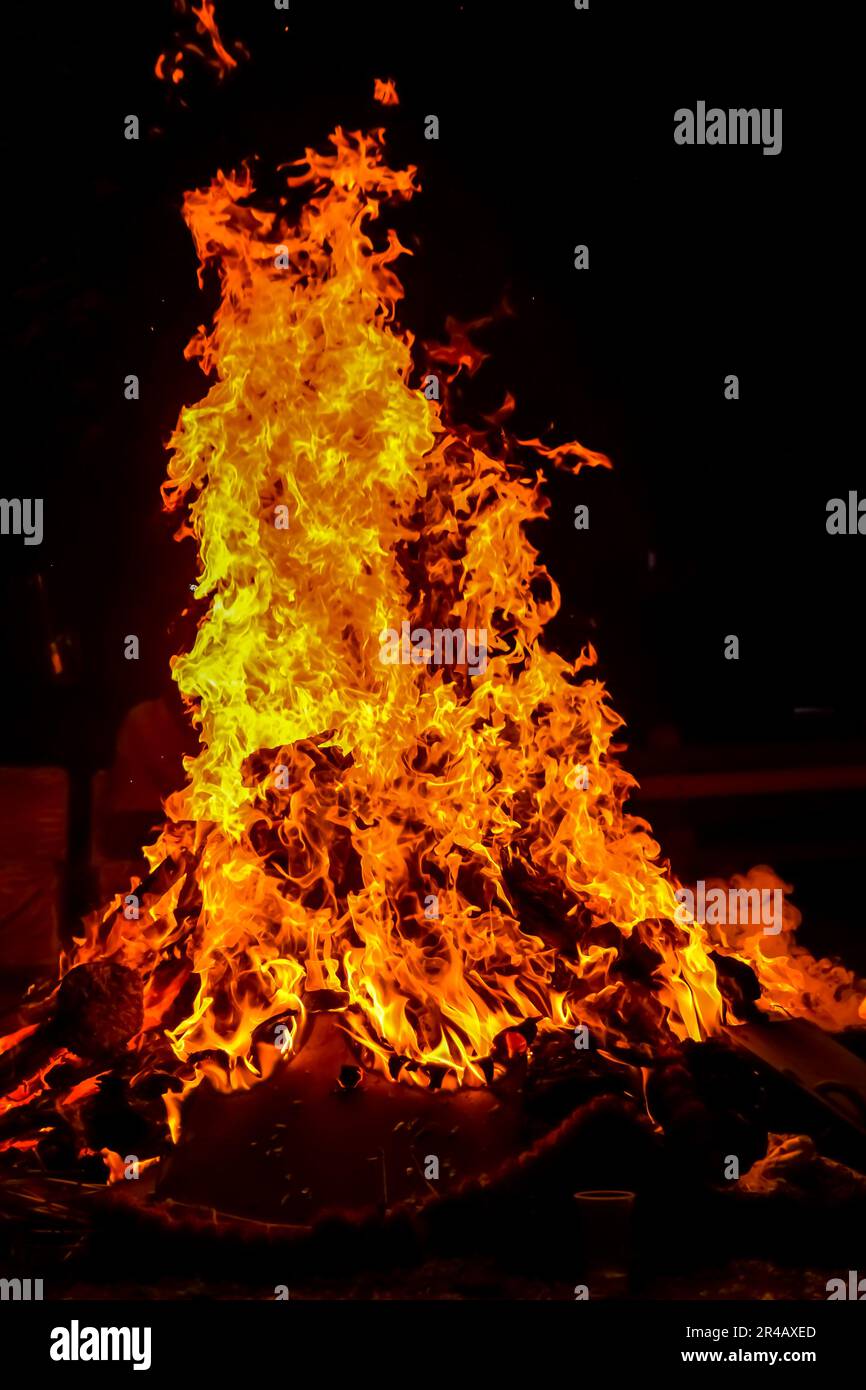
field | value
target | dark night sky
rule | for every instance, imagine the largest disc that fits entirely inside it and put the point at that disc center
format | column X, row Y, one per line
column 556, row 128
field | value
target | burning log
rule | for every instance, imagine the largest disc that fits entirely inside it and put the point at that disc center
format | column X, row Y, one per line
column 95, row 1010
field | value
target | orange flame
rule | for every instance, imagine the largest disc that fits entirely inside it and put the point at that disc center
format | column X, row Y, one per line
column 385, row 91
column 169, row 68
column 207, row 19
column 439, row 851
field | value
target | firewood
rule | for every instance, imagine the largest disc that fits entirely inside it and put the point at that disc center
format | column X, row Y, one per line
column 97, row 1008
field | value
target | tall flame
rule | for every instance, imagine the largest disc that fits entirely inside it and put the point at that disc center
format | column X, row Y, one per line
column 440, row 853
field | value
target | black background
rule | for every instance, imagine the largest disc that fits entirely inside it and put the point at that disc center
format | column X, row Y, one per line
column 556, row 129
